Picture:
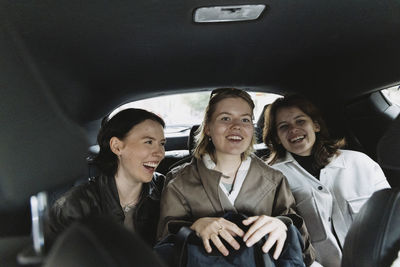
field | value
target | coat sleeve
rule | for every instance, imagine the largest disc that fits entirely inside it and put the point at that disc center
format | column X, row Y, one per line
column 68, row 208
column 174, row 210
column 285, row 206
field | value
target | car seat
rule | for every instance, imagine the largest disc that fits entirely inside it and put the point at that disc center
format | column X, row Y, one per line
column 388, row 153
column 374, row 237
column 190, row 146
column 99, row 241
column 260, row 125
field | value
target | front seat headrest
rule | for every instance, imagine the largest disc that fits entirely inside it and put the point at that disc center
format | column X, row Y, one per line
column 97, row 242
column 191, row 139
column 374, row 236
column 388, row 152
column 260, row 125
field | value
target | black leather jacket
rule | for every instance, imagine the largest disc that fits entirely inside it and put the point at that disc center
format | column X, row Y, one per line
column 99, row 197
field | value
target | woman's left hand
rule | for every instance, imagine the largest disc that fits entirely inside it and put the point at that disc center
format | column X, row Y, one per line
column 262, row 225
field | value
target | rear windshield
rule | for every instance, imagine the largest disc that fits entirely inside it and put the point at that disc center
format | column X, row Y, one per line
column 181, row 111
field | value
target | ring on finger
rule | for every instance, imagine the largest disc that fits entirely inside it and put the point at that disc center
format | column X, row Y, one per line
column 220, row 229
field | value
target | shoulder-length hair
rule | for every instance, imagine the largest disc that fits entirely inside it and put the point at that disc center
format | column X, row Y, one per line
column 203, row 145
column 119, row 126
column 324, row 147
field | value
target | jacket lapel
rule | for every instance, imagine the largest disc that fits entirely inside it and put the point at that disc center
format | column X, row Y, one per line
column 225, row 203
column 210, row 181
column 254, row 188
column 336, row 162
column 288, row 160
column 109, row 197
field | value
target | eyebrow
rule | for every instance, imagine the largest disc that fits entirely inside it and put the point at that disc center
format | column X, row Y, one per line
column 152, row 138
column 299, row 116
column 227, row 113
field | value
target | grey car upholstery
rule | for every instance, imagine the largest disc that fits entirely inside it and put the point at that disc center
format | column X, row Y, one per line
column 388, row 153
column 374, row 237
column 191, row 139
column 190, row 145
column 100, row 242
column 41, row 146
column 260, row 125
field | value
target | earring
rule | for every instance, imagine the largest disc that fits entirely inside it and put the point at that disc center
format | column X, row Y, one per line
column 209, row 139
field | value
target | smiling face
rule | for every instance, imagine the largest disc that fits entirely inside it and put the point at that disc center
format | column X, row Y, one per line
column 231, row 127
column 296, row 130
column 140, row 151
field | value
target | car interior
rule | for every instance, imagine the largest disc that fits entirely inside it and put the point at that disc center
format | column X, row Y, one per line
column 371, row 247
column 67, row 64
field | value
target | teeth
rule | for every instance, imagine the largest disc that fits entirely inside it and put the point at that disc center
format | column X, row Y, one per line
column 235, row 137
column 297, row 138
column 150, row 164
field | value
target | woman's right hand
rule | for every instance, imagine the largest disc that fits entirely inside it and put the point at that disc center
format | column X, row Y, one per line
column 211, row 228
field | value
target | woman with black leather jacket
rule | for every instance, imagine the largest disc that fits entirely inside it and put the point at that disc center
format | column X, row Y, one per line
column 128, row 189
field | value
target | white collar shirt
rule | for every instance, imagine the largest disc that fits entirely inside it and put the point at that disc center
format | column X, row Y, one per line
column 238, row 182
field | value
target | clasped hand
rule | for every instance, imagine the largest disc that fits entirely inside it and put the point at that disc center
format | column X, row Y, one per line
column 213, row 229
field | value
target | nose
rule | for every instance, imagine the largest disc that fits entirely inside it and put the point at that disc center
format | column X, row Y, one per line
column 292, row 128
column 159, row 152
column 236, row 124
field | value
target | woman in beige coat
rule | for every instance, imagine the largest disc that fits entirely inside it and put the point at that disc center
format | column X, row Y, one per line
column 224, row 176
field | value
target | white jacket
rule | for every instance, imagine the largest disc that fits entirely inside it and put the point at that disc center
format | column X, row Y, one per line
column 330, row 203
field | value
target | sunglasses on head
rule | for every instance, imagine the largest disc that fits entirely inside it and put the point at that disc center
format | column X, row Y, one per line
column 233, row 91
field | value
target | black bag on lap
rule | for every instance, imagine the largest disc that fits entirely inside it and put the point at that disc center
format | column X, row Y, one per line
column 185, row 249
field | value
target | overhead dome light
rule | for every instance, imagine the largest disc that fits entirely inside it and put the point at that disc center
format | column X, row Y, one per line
column 227, row 13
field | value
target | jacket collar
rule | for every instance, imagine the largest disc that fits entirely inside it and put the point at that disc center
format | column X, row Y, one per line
column 334, row 162
column 238, row 182
column 210, row 180
column 337, row 162
column 109, row 192
column 210, row 164
column 288, row 158
column 255, row 185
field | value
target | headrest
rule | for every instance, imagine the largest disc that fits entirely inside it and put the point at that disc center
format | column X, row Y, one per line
column 388, row 149
column 260, row 125
column 100, row 242
column 191, row 139
column 374, row 236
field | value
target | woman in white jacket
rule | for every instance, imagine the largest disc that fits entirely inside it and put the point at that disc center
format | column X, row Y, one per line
column 329, row 184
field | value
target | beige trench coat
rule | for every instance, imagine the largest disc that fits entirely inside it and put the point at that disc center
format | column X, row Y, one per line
column 193, row 192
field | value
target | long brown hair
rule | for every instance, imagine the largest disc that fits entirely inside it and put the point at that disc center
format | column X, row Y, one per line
column 324, row 147
column 203, row 144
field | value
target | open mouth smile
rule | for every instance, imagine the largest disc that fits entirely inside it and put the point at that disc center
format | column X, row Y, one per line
column 151, row 165
column 234, row 138
column 297, row 139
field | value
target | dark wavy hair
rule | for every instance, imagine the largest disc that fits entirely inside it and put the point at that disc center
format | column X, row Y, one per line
column 203, row 144
column 324, row 147
column 119, row 125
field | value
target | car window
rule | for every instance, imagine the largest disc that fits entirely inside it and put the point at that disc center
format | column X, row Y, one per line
column 181, row 111
column 393, row 94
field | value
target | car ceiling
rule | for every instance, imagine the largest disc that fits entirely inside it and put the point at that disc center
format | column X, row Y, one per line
column 94, row 55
